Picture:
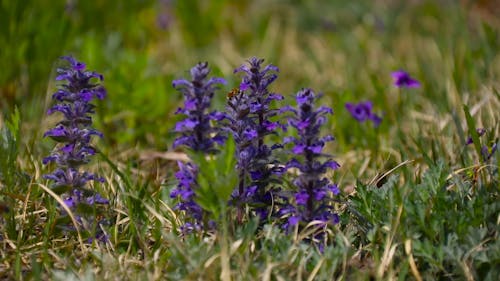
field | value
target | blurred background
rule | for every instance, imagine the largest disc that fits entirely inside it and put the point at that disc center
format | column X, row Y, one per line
column 344, row 49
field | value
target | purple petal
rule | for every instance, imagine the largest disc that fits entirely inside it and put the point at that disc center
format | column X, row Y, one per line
column 70, row 202
column 219, row 139
column 251, row 191
column 325, row 109
column 180, row 82
column 271, row 126
column 293, row 220
column 48, row 159
column 255, row 175
column 294, row 163
column 58, row 131
column 276, row 97
column 319, row 194
column 68, row 148
column 250, row 134
column 376, row 119
column 190, row 104
column 302, row 125
column 301, row 198
column 334, row 189
column 271, row 67
column 412, row 83
column 100, row 93
column 316, row 148
column 216, row 80
column 287, row 108
column 403, row 79
column 331, row 164
column 86, row 95
column 217, row 116
column 327, row 138
column 298, row 149
column 188, row 123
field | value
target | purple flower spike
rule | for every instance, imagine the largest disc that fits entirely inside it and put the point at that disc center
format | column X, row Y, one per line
column 74, row 131
column 403, row 80
column 186, row 178
column 196, row 132
column 74, row 134
column 313, row 191
column 249, row 118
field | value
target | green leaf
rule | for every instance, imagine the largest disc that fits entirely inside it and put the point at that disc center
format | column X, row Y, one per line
column 85, row 209
column 13, row 123
column 216, row 178
column 60, row 189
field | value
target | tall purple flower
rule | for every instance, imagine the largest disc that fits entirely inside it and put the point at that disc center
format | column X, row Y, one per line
column 313, row 194
column 74, row 134
column 243, row 127
column 363, row 111
column 403, row 80
column 251, row 118
column 196, row 133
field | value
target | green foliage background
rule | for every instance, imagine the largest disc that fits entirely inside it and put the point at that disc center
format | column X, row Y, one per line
column 414, row 179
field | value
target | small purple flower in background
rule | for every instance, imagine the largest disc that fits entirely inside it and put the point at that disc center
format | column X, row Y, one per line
column 314, row 192
column 363, row 111
column 403, row 80
column 74, row 133
column 480, row 132
column 486, row 152
column 165, row 15
column 198, row 134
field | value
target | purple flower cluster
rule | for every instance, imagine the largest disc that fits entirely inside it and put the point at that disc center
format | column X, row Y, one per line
column 312, row 199
column 363, row 111
column 74, row 133
column 250, row 118
column 250, row 115
column 196, row 133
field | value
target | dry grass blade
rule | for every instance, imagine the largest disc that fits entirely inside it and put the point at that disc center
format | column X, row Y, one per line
column 315, row 270
column 169, row 155
column 390, row 248
column 377, row 179
column 411, row 260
